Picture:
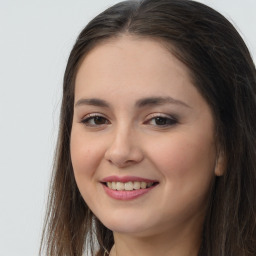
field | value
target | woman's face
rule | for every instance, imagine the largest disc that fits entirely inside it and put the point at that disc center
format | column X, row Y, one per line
column 142, row 140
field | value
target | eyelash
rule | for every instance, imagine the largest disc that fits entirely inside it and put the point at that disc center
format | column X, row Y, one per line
column 93, row 117
column 168, row 120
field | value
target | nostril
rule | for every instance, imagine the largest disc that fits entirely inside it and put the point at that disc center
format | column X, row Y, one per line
column 121, row 164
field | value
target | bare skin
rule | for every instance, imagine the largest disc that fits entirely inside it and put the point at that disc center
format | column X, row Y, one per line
column 137, row 114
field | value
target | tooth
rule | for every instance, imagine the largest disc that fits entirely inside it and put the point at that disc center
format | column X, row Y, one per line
column 143, row 184
column 128, row 185
column 113, row 185
column 109, row 184
column 136, row 185
column 120, row 186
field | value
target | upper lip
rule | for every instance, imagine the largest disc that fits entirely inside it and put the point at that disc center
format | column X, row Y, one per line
column 126, row 179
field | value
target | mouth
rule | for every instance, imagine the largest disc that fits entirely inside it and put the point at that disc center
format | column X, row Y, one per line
column 129, row 186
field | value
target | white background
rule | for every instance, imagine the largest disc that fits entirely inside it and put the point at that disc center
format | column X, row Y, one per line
column 36, row 37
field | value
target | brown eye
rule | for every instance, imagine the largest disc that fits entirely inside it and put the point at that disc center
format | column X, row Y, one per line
column 98, row 120
column 162, row 121
column 95, row 121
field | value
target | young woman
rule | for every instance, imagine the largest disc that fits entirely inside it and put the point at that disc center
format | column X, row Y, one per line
column 157, row 143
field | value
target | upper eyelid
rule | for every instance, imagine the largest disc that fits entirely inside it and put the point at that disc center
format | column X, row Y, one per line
column 153, row 115
column 94, row 114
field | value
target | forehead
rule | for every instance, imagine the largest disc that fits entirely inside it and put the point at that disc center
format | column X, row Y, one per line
column 131, row 45
column 129, row 55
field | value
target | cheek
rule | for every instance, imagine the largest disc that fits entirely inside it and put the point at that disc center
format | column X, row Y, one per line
column 85, row 155
column 186, row 167
column 186, row 163
column 184, row 159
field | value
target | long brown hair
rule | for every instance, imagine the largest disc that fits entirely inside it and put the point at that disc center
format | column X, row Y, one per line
column 223, row 71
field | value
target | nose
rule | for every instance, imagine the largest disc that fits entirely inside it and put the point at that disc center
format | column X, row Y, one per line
column 124, row 149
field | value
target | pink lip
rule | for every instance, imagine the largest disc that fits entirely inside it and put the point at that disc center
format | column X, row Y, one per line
column 126, row 195
column 126, row 179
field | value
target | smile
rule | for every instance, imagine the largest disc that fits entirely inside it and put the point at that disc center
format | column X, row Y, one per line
column 128, row 186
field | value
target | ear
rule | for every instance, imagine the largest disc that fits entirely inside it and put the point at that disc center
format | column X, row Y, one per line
column 220, row 164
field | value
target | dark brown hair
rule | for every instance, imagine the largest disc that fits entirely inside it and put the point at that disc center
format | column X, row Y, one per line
column 223, row 72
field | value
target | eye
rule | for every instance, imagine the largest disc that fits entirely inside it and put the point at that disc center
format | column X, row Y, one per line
column 95, row 120
column 159, row 120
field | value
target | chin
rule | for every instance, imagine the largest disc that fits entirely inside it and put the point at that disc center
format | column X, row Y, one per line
column 128, row 225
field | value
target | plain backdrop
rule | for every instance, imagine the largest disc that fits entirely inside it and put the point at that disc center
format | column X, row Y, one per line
column 36, row 37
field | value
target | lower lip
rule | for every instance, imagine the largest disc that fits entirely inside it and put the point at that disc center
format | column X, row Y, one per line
column 126, row 195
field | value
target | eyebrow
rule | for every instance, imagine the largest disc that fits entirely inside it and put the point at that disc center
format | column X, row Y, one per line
column 149, row 101
column 159, row 101
column 92, row 102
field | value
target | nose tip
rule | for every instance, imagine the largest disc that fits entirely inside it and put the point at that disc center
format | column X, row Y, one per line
column 123, row 152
